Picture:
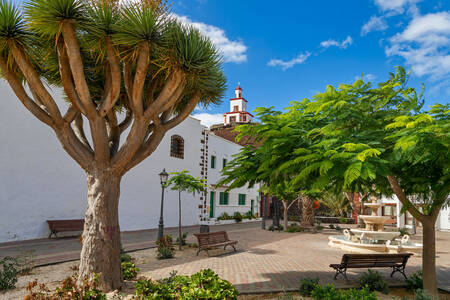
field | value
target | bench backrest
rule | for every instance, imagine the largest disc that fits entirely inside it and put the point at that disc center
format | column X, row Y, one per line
column 210, row 238
column 66, row 225
column 375, row 260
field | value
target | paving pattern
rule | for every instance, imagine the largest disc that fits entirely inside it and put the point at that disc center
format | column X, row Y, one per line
column 266, row 261
column 273, row 261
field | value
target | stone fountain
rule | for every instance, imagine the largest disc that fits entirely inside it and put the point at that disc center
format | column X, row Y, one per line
column 373, row 238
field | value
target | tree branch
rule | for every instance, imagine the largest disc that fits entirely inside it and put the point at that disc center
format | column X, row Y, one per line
column 114, row 90
column 79, row 131
column 403, row 199
column 168, row 96
column 36, row 84
column 70, row 114
column 159, row 131
column 73, row 146
column 126, row 121
column 23, row 96
column 66, row 77
column 113, row 132
column 139, row 79
column 76, row 66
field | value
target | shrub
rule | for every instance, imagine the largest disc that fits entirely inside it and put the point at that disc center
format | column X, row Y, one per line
column 202, row 285
column 249, row 215
column 9, row 269
column 374, row 281
column 328, row 292
column 319, row 227
column 338, row 228
column 237, row 216
column 307, row 285
column 414, row 281
column 165, row 247
column 224, row 216
column 294, row 228
column 293, row 218
column 183, row 239
column 403, row 231
column 343, row 220
column 129, row 270
column 273, row 228
column 124, row 257
column 331, row 226
column 68, row 290
column 422, row 295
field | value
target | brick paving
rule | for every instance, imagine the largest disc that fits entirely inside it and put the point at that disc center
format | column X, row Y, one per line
column 276, row 261
column 265, row 262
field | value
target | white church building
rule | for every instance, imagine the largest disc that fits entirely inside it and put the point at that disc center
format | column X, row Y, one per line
column 39, row 181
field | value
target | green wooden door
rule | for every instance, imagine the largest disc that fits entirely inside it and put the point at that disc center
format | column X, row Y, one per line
column 211, row 204
column 251, row 207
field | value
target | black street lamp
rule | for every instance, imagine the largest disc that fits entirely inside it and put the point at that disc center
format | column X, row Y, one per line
column 163, row 176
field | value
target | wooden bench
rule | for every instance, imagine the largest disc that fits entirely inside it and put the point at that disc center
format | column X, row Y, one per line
column 213, row 240
column 395, row 261
column 64, row 225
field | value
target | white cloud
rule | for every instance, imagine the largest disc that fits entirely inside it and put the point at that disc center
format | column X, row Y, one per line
column 425, row 45
column 374, row 24
column 343, row 45
column 396, row 6
column 232, row 51
column 207, row 119
column 301, row 58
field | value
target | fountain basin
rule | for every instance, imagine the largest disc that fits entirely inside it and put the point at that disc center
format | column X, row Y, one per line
column 374, row 205
column 376, row 235
column 341, row 242
column 375, row 219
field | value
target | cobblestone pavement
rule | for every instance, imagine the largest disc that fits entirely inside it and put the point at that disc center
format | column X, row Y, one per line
column 265, row 261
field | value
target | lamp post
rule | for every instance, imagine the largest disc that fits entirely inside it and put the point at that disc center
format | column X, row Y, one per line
column 163, row 177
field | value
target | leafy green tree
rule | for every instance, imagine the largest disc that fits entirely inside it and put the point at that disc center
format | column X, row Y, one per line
column 378, row 140
column 184, row 182
column 118, row 65
column 258, row 163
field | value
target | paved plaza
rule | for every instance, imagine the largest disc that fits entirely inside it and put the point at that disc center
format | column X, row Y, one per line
column 265, row 261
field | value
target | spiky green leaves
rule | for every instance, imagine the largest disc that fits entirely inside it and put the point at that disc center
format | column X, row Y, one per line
column 197, row 57
column 138, row 24
column 45, row 17
column 12, row 25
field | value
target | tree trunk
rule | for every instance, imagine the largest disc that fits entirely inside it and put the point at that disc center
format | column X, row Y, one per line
column 429, row 256
column 307, row 211
column 285, row 214
column 179, row 220
column 100, row 253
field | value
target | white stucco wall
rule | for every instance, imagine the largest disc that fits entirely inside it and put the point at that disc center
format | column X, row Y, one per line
column 39, row 181
column 443, row 221
column 222, row 148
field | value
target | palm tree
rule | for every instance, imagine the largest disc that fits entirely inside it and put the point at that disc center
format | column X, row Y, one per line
column 119, row 65
column 337, row 203
column 184, row 182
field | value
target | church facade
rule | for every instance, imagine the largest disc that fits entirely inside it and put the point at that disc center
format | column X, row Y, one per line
column 39, row 181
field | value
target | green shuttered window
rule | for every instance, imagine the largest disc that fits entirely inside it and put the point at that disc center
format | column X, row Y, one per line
column 223, row 198
column 241, row 199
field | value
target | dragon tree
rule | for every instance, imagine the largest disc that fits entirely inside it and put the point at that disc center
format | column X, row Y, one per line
column 126, row 70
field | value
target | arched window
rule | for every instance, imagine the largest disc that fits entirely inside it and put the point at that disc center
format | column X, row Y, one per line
column 177, row 146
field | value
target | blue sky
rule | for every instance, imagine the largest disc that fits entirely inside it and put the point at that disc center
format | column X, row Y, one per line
column 289, row 51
